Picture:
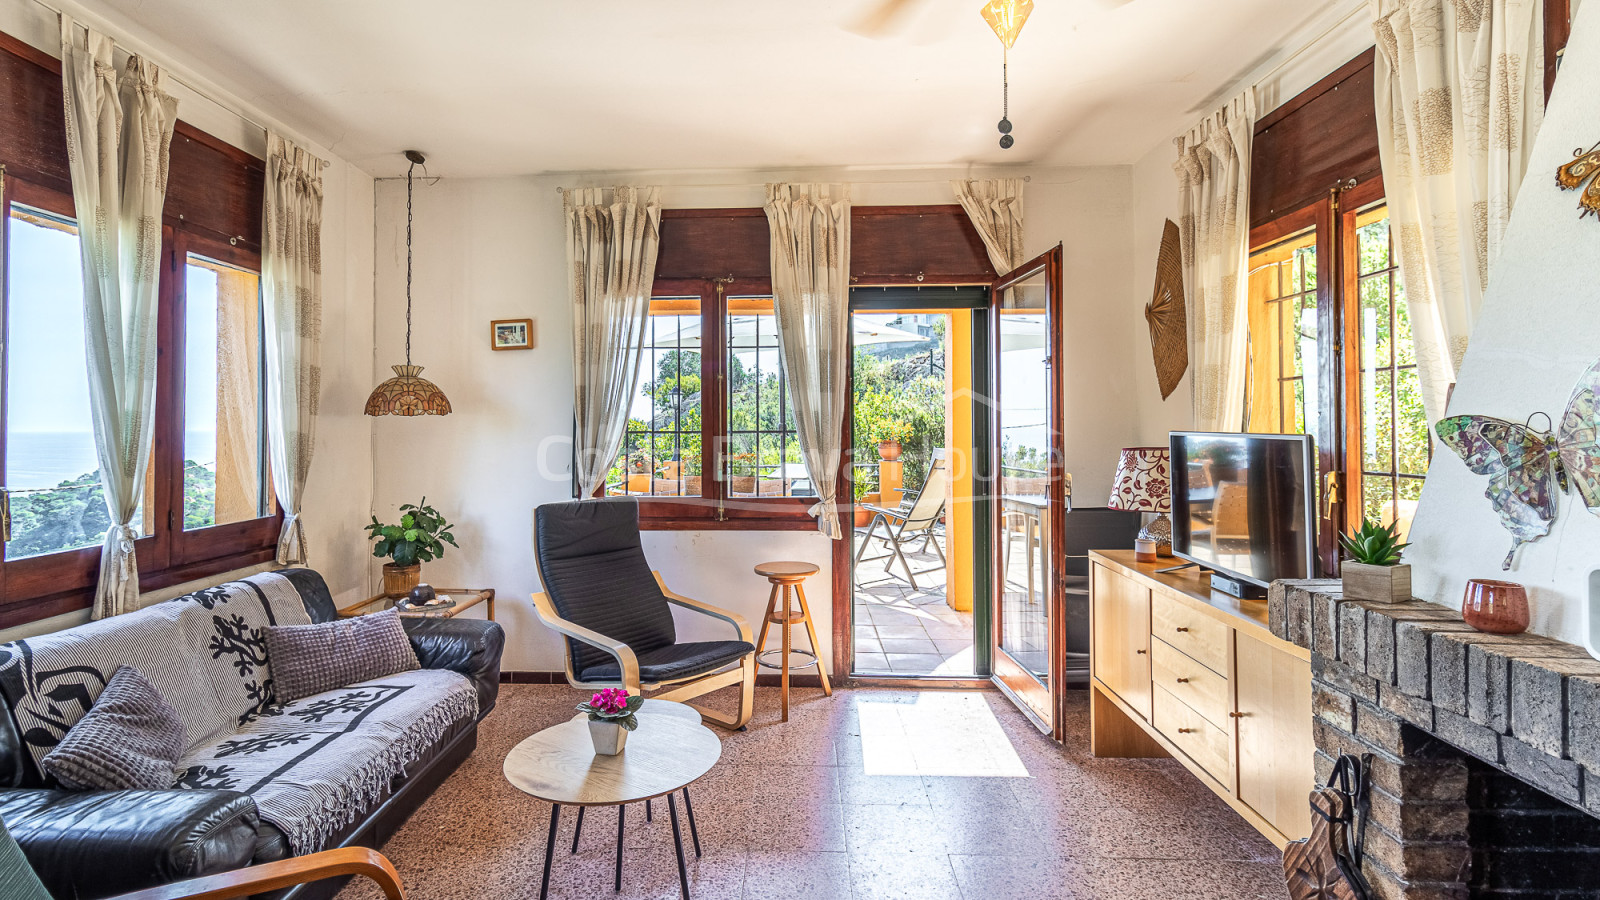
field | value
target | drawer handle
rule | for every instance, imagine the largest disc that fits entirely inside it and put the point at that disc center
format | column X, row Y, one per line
column 1141, row 652
column 1237, row 715
column 1186, row 731
column 1183, row 681
column 1183, row 629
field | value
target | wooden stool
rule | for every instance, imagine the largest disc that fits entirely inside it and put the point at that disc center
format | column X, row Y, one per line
column 784, row 576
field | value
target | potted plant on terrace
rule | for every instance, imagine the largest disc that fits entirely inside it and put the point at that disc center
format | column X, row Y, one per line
column 891, row 436
column 419, row 537
column 611, row 717
column 1373, row 571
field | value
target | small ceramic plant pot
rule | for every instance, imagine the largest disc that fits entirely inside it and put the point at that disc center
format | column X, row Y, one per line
column 1382, row 584
column 1496, row 607
column 889, row 451
column 609, row 737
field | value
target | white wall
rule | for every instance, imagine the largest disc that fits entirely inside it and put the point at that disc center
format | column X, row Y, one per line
column 1536, row 332
column 340, row 488
column 494, row 248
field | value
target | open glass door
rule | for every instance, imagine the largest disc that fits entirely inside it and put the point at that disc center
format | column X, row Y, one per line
column 1027, row 488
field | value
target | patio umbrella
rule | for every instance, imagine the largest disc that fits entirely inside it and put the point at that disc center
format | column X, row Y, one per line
column 747, row 328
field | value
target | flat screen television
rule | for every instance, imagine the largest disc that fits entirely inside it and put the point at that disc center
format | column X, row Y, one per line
column 1244, row 506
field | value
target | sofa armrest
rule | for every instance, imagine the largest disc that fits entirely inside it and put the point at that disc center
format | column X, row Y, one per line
column 469, row 646
column 91, row 844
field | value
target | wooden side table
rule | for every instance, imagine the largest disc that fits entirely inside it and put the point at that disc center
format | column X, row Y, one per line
column 465, row 599
column 787, row 577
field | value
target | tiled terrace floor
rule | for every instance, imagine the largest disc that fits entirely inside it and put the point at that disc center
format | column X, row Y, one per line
column 868, row 795
column 901, row 631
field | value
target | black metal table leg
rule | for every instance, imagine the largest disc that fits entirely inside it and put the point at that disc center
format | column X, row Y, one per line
column 649, row 815
column 621, row 809
column 693, row 831
column 550, row 849
column 677, row 844
column 578, row 829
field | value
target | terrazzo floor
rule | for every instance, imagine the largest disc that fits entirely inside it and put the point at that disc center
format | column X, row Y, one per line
column 856, row 797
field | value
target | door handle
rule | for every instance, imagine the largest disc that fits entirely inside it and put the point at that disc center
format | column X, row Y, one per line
column 5, row 515
column 1331, row 489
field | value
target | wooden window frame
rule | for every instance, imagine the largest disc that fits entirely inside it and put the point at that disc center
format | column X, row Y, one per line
column 214, row 205
column 715, row 509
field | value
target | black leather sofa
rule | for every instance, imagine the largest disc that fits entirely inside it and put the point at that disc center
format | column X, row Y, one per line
column 91, row 844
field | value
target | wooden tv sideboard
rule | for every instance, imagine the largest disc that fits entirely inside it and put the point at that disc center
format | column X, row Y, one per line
column 1179, row 669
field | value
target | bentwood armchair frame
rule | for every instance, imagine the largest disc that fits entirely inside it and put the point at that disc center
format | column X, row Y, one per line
column 681, row 689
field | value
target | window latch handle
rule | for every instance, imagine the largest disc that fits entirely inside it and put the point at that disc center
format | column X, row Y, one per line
column 5, row 515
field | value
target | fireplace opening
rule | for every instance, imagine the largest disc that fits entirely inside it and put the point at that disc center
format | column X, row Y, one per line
column 1526, row 843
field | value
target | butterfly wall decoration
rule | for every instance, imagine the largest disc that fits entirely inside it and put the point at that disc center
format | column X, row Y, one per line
column 1529, row 469
column 1571, row 176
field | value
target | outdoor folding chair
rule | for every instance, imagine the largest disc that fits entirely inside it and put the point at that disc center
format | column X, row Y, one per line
column 913, row 520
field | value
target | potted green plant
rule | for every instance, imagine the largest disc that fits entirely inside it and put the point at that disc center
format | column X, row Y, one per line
column 611, row 717
column 1373, row 570
column 891, row 436
column 419, row 537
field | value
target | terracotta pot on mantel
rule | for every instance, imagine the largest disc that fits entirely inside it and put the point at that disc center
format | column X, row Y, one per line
column 889, row 450
column 399, row 580
column 1495, row 607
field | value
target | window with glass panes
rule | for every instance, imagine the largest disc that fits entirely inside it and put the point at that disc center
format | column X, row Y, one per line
column 661, row 449
column 1283, row 336
column 1394, row 441
column 763, row 450
column 711, row 439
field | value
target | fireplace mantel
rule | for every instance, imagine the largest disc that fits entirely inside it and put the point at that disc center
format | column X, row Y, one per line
column 1399, row 680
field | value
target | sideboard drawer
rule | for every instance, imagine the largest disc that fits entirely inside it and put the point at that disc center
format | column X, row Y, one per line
column 1201, row 637
column 1200, row 740
column 1201, row 689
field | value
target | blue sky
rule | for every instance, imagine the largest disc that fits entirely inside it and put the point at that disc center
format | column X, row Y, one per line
column 48, row 380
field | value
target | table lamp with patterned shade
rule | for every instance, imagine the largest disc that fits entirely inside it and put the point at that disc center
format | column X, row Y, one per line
column 1143, row 483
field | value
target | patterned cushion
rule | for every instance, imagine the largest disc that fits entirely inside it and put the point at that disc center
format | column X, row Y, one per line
column 129, row 740
column 310, row 659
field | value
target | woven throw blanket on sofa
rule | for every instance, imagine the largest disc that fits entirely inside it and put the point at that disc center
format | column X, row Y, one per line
column 317, row 764
column 205, row 652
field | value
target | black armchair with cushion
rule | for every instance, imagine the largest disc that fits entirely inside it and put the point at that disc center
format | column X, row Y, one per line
column 616, row 613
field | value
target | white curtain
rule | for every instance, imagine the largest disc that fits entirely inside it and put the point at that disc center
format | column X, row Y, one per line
column 611, row 257
column 1213, row 170
column 1460, row 95
column 118, row 135
column 291, row 296
column 995, row 208
column 811, row 293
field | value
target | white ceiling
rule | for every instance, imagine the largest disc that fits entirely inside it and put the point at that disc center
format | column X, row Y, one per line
column 502, row 87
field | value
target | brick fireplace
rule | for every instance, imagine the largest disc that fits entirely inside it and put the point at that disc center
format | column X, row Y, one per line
column 1486, row 748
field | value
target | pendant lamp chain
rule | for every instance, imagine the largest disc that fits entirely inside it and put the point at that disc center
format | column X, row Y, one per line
column 408, row 262
column 408, row 393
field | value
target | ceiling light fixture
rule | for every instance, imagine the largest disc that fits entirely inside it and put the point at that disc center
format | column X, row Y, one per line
column 408, row 393
column 1006, row 17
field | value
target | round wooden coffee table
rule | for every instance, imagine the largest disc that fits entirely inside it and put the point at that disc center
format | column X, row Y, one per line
column 667, row 752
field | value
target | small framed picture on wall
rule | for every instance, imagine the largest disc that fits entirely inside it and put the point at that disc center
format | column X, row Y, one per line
column 511, row 334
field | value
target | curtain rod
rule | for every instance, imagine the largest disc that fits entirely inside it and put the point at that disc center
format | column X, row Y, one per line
column 226, row 106
column 1343, row 20
column 740, row 184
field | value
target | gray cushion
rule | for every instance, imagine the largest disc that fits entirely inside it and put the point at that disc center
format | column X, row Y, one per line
column 310, row 659
column 130, row 739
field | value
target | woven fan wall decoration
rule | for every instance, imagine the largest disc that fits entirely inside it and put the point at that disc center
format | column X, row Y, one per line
column 1169, row 323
